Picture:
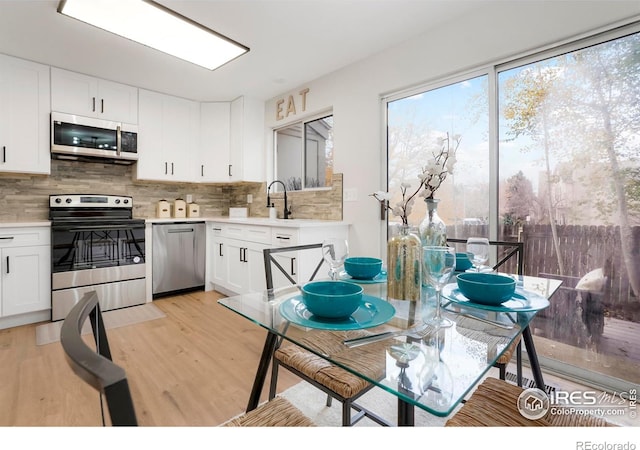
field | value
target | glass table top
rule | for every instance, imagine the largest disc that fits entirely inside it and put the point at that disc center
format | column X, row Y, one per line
column 431, row 369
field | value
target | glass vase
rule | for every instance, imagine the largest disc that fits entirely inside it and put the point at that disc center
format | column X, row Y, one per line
column 403, row 265
column 433, row 230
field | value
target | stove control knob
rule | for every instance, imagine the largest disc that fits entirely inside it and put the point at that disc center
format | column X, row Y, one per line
column 58, row 200
column 117, row 201
column 68, row 200
column 126, row 200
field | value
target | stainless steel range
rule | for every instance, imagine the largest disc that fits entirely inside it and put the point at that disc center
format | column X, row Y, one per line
column 96, row 245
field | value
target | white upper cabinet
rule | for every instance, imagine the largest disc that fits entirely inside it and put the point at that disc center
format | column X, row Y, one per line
column 168, row 138
column 24, row 116
column 214, row 157
column 75, row 93
column 247, row 159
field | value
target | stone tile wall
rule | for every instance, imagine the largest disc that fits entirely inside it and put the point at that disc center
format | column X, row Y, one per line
column 26, row 197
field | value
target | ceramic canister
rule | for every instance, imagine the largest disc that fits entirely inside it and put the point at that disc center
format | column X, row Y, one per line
column 163, row 209
column 179, row 208
column 193, row 210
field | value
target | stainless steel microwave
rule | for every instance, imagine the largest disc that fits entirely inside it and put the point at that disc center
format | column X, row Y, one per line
column 89, row 139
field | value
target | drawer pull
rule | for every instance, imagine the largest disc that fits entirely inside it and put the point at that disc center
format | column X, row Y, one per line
column 7, row 237
column 286, row 238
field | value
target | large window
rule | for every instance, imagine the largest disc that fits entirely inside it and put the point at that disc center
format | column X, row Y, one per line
column 562, row 175
column 418, row 124
column 304, row 154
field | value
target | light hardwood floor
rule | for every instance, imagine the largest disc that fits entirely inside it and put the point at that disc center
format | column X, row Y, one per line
column 193, row 368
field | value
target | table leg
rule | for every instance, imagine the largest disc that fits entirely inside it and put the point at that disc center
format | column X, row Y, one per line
column 406, row 414
column 263, row 368
column 533, row 358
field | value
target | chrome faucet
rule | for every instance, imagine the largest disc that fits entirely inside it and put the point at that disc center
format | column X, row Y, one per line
column 287, row 213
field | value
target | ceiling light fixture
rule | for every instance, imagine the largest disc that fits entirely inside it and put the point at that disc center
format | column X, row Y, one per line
column 158, row 27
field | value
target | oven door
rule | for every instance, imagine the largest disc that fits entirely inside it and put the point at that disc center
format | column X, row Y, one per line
column 80, row 246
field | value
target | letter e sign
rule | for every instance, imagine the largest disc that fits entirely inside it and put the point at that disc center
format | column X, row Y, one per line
column 281, row 113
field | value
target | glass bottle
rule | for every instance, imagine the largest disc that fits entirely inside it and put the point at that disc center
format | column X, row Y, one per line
column 403, row 265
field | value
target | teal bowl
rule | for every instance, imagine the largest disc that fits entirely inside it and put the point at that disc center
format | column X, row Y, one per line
column 464, row 261
column 362, row 267
column 486, row 288
column 331, row 299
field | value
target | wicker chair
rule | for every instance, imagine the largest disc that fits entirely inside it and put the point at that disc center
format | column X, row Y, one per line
column 334, row 381
column 95, row 366
column 495, row 404
column 278, row 412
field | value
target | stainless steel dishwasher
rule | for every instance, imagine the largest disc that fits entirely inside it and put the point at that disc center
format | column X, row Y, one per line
column 178, row 257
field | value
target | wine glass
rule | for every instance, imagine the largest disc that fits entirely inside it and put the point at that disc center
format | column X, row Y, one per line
column 479, row 247
column 335, row 251
column 435, row 378
column 438, row 263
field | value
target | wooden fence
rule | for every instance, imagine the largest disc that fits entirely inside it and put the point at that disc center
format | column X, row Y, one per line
column 582, row 249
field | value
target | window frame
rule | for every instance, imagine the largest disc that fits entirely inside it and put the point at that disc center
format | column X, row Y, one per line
column 493, row 69
column 302, row 123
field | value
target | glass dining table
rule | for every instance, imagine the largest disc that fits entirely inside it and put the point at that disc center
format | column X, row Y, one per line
column 424, row 367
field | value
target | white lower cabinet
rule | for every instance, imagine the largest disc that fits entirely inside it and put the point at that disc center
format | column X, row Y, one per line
column 25, row 282
column 245, row 267
column 236, row 261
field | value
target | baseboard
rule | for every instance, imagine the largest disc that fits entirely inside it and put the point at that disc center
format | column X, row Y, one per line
column 527, row 382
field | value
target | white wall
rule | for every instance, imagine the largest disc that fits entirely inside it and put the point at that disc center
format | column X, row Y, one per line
column 494, row 34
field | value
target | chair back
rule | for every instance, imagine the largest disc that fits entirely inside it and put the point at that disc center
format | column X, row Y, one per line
column 513, row 249
column 94, row 366
column 270, row 262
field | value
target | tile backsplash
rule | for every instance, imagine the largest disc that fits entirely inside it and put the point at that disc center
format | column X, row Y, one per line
column 25, row 197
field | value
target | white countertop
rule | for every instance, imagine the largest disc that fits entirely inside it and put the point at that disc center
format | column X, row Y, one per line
column 290, row 223
column 19, row 224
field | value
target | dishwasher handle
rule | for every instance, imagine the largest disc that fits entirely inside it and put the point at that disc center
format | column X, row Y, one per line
column 181, row 230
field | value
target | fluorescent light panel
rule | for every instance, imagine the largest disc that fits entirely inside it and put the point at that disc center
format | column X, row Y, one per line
column 155, row 26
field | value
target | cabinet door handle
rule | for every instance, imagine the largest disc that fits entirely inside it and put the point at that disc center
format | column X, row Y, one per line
column 171, row 168
column 202, row 170
column 102, row 105
column 93, row 104
column 7, row 264
column 4, row 153
column 229, row 169
column 166, row 168
column 293, row 272
column 241, row 249
column 220, row 249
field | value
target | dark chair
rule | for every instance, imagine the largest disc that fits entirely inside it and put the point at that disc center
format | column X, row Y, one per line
column 95, row 366
column 334, row 381
column 513, row 249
